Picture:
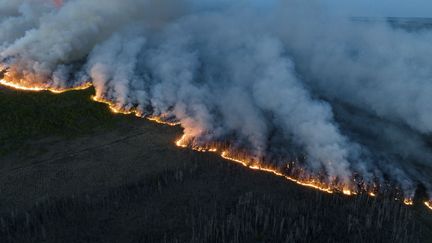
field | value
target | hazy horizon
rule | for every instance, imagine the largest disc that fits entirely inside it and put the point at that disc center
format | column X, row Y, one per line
column 380, row 8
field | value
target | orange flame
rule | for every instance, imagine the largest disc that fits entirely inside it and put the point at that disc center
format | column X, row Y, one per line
column 160, row 121
column 428, row 204
column 303, row 179
column 39, row 88
column 408, row 201
column 348, row 192
column 308, row 183
column 115, row 109
column 182, row 142
column 132, row 111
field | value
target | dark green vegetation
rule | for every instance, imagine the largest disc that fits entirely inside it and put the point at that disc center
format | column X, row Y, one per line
column 28, row 115
column 212, row 201
column 121, row 179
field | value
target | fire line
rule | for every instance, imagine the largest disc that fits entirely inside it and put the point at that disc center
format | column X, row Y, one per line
column 182, row 143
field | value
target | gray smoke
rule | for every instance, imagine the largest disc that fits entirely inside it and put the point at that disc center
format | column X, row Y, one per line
column 275, row 78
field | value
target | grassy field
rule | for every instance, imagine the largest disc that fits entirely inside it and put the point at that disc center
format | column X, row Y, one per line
column 28, row 115
column 86, row 175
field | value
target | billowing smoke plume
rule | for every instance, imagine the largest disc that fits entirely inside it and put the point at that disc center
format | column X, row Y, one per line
column 282, row 80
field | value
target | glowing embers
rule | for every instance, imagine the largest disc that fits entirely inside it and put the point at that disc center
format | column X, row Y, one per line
column 428, row 204
column 256, row 165
column 24, row 87
column 116, row 109
column 299, row 175
column 162, row 121
column 348, row 192
column 408, row 201
column 295, row 173
column 133, row 111
column 305, row 181
column 182, row 142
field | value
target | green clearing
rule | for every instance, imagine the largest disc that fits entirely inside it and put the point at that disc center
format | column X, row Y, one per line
column 35, row 115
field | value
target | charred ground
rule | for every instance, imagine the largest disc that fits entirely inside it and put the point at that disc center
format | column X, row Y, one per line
column 73, row 172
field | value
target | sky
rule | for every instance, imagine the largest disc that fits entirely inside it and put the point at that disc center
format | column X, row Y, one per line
column 381, row 8
column 356, row 8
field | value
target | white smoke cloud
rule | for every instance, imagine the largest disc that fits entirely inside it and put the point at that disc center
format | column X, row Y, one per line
column 276, row 76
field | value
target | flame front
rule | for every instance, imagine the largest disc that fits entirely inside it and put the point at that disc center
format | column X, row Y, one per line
column 308, row 183
column 312, row 183
column 428, row 204
column 161, row 121
column 408, row 201
column 132, row 111
column 302, row 178
column 19, row 86
column 115, row 108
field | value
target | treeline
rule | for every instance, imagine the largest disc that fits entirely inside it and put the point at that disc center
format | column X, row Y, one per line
column 209, row 200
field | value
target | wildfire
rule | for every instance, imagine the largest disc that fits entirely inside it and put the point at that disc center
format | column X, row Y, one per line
column 160, row 121
column 348, row 192
column 38, row 89
column 301, row 178
column 305, row 180
column 115, row 109
column 308, row 183
column 408, row 201
column 133, row 111
column 312, row 183
column 181, row 142
column 428, row 204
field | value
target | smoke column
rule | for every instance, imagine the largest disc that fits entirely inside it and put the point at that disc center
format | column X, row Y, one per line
column 283, row 80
